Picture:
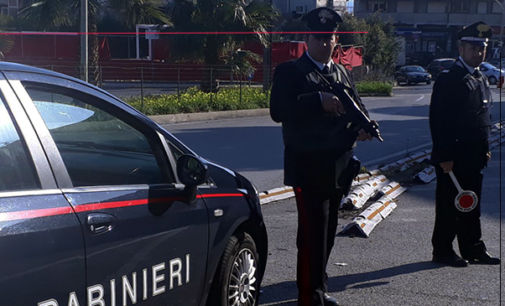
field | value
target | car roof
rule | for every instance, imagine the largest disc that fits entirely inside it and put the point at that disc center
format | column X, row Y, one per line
column 443, row 59
column 7, row 66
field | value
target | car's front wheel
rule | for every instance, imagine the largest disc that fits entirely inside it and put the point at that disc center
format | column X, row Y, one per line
column 492, row 80
column 236, row 281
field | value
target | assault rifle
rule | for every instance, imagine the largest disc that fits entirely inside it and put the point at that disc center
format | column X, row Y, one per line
column 352, row 110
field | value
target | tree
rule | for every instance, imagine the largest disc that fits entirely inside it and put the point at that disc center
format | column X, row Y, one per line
column 380, row 46
column 217, row 16
column 6, row 42
column 57, row 14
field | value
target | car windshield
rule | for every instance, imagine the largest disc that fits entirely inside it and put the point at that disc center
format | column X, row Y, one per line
column 414, row 69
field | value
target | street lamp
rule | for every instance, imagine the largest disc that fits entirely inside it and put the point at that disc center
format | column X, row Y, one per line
column 84, row 40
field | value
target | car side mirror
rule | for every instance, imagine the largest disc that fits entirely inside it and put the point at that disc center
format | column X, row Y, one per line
column 192, row 172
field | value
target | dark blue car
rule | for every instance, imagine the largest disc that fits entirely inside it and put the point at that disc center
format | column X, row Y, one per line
column 99, row 205
column 412, row 75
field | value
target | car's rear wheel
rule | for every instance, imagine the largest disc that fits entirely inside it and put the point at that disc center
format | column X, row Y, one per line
column 428, row 82
column 236, row 281
column 492, row 80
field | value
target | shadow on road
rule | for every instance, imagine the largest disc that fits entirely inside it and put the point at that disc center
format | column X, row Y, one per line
column 287, row 290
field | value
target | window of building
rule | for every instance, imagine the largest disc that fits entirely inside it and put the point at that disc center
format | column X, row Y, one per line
column 482, row 8
column 405, row 7
column 460, row 7
column 496, row 8
column 376, row 6
column 437, row 7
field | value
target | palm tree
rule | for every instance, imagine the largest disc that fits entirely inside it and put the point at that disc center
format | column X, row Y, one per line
column 216, row 16
column 6, row 42
column 55, row 14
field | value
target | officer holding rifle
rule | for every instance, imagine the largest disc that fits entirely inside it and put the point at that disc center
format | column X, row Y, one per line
column 322, row 116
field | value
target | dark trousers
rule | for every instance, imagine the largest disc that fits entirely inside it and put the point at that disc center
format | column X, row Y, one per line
column 450, row 222
column 317, row 226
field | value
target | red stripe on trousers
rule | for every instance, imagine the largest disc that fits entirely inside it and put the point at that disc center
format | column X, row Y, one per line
column 303, row 297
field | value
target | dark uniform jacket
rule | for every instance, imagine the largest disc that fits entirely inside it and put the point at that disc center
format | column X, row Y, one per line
column 313, row 139
column 460, row 117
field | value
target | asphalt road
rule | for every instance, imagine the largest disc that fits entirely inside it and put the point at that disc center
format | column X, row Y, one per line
column 253, row 146
column 391, row 267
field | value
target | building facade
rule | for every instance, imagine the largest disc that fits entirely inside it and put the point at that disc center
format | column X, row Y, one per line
column 9, row 7
column 302, row 7
column 431, row 25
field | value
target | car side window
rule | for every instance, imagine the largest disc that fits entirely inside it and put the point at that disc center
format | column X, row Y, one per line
column 97, row 147
column 16, row 168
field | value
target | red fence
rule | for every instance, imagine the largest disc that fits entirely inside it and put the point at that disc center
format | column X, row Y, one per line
column 61, row 53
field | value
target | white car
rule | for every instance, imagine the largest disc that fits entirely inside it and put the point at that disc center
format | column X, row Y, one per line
column 491, row 72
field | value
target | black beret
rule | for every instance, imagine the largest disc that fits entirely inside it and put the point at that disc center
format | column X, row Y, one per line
column 322, row 19
column 476, row 34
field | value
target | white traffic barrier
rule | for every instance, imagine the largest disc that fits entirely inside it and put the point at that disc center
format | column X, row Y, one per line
column 391, row 190
column 370, row 217
column 362, row 193
column 276, row 194
column 427, row 175
column 364, row 177
column 406, row 162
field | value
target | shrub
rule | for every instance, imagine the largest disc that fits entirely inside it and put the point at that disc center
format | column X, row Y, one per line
column 374, row 88
column 192, row 100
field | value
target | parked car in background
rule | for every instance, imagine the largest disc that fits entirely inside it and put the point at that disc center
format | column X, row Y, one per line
column 420, row 58
column 438, row 65
column 491, row 72
column 412, row 75
column 496, row 62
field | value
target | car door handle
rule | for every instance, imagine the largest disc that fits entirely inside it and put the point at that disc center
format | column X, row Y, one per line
column 99, row 223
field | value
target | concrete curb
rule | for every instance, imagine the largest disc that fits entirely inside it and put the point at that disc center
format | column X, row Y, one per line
column 194, row 117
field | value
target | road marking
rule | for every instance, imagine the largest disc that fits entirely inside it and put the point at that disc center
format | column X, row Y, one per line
column 422, row 97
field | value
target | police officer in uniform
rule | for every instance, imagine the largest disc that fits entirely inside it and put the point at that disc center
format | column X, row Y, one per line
column 318, row 140
column 459, row 123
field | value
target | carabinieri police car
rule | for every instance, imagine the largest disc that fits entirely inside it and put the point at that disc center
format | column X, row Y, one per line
column 100, row 206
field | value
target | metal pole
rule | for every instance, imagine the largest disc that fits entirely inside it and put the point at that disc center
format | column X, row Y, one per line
column 178, row 84
column 84, row 40
column 142, row 87
column 502, row 24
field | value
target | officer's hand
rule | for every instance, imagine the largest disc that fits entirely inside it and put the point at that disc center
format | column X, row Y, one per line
column 447, row 166
column 331, row 104
column 488, row 155
column 362, row 135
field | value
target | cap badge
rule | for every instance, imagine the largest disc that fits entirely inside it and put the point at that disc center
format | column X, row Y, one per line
column 482, row 28
column 325, row 14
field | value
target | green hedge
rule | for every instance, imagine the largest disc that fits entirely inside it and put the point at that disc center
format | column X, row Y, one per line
column 193, row 100
column 374, row 88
